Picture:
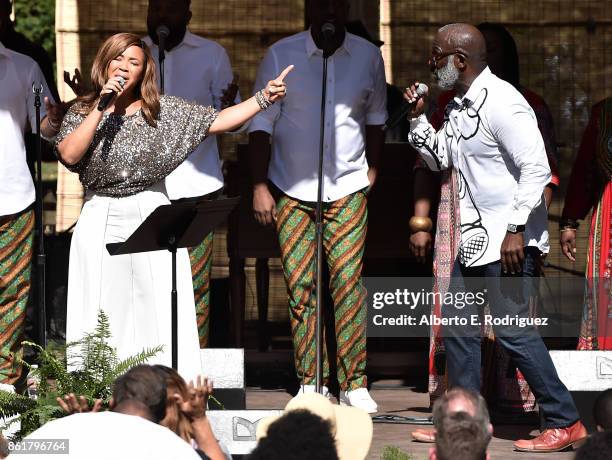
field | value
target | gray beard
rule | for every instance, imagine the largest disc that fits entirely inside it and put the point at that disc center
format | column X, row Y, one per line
column 448, row 75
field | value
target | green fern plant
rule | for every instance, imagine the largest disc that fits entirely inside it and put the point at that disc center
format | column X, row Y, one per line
column 95, row 365
column 395, row 453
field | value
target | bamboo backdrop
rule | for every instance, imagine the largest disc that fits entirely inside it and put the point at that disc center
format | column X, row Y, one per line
column 563, row 47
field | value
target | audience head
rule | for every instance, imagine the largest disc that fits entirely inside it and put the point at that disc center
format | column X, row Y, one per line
column 174, row 14
column 602, row 410
column 463, row 427
column 175, row 420
column 297, row 435
column 598, row 446
column 349, row 427
column 502, row 54
column 141, row 391
column 458, row 55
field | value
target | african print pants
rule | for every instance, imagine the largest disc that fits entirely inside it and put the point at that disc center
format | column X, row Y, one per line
column 16, row 234
column 201, row 265
column 345, row 224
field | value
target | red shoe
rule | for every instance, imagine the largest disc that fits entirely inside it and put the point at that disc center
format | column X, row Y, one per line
column 423, row 435
column 554, row 439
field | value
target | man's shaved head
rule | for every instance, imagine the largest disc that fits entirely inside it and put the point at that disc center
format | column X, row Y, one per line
column 458, row 55
column 466, row 39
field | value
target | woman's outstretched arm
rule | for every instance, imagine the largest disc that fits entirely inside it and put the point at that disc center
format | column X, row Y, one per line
column 235, row 116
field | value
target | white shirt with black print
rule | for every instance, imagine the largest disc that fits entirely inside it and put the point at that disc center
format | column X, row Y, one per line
column 491, row 138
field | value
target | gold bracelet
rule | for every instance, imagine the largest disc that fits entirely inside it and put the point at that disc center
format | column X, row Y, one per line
column 420, row 224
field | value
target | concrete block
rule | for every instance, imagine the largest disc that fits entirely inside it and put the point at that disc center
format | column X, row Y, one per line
column 237, row 429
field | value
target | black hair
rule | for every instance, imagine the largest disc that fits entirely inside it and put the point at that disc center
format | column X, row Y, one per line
column 598, row 446
column 511, row 59
column 145, row 385
column 602, row 409
column 297, row 435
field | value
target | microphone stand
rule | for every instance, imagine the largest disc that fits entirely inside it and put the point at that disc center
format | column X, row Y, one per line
column 41, row 261
column 161, row 58
column 319, row 240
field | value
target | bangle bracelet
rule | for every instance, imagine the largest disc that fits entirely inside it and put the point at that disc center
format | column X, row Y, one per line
column 54, row 127
column 262, row 100
column 420, row 224
column 565, row 229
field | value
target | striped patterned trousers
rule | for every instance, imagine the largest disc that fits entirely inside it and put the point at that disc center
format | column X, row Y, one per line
column 201, row 265
column 16, row 234
column 345, row 224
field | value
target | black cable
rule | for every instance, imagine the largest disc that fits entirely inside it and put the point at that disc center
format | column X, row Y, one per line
column 402, row 420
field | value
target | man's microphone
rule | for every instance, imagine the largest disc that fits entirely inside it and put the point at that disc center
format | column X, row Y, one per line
column 105, row 100
column 162, row 32
column 405, row 108
column 328, row 30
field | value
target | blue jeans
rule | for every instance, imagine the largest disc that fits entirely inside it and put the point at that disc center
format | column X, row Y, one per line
column 508, row 296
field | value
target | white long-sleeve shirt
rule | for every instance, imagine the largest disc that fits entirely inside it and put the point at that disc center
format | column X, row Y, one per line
column 197, row 70
column 491, row 138
column 356, row 97
column 17, row 113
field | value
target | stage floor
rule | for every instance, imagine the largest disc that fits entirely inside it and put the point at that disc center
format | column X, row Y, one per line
column 407, row 402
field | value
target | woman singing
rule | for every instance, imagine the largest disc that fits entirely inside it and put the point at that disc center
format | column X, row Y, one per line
column 121, row 155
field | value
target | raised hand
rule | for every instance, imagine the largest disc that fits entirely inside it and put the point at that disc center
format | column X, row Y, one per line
column 75, row 83
column 194, row 405
column 228, row 97
column 277, row 89
column 71, row 405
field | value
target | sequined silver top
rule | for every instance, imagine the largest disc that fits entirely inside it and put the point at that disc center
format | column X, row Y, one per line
column 128, row 155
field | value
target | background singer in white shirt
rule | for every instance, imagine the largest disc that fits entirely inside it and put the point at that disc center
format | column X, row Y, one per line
column 355, row 110
column 199, row 70
column 17, row 195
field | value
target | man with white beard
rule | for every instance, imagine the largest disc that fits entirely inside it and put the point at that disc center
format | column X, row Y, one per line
column 490, row 137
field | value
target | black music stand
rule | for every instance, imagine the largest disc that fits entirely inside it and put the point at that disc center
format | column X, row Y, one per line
column 173, row 226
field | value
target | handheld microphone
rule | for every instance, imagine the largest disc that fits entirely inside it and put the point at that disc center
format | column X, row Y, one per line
column 162, row 33
column 105, row 100
column 405, row 108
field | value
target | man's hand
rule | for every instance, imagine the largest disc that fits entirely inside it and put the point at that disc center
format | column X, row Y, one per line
column 372, row 175
column 420, row 245
column 75, row 83
column 71, row 405
column 264, row 205
column 228, row 98
column 512, row 255
column 568, row 243
column 410, row 96
column 194, row 406
column 548, row 195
